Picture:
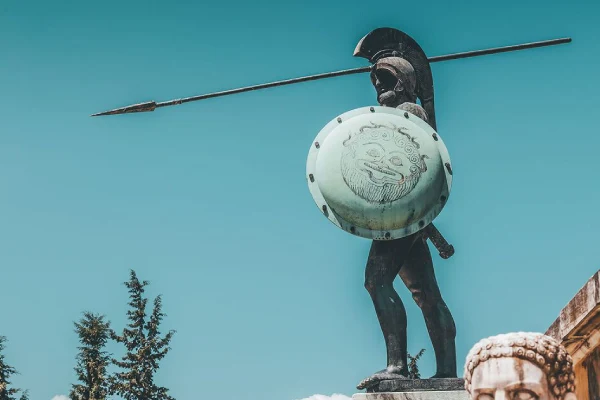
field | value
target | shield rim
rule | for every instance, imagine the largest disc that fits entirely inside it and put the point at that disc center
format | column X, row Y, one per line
column 339, row 221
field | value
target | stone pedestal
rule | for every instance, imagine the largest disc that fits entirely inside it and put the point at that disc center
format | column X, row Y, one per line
column 419, row 389
column 430, row 395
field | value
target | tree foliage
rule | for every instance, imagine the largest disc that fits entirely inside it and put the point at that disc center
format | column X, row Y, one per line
column 6, row 372
column 144, row 345
column 92, row 360
column 413, row 367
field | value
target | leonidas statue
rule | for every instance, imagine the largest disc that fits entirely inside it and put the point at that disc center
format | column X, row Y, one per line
column 400, row 75
column 519, row 366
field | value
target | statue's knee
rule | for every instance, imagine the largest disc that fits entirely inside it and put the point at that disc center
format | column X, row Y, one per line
column 419, row 297
column 424, row 299
column 374, row 285
column 370, row 285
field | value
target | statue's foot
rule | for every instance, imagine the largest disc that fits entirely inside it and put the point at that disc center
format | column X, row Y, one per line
column 385, row 374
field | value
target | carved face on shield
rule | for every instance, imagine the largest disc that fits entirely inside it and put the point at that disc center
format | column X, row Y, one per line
column 395, row 81
column 381, row 164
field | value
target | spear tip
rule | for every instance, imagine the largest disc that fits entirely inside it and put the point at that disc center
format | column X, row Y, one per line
column 140, row 107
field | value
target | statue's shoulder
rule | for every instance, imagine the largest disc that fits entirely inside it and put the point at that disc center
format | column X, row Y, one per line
column 414, row 109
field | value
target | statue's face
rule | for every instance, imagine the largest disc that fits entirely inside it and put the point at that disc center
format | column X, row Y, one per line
column 508, row 378
column 394, row 80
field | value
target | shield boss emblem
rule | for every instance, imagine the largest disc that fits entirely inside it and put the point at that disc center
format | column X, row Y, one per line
column 379, row 173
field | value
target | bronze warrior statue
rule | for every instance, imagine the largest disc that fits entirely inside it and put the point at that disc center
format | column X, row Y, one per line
column 401, row 74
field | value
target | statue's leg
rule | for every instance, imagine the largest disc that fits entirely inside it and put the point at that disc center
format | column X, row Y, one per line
column 385, row 260
column 418, row 275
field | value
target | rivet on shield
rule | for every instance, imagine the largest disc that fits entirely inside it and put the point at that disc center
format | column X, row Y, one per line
column 443, row 199
column 339, row 120
column 405, row 115
column 372, row 109
column 352, row 229
column 435, row 137
column 311, row 177
column 421, row 224
column 317, row 145
column 449, row 168
column 387, row 235
column 325, row 211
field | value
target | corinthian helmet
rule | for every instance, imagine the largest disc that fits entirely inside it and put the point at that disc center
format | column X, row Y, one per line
column 389, row 42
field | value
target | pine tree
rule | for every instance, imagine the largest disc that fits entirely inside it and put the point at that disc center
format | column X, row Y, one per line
column 92, row 360
column 413, row 367
column 6, row 372
column 144, row 348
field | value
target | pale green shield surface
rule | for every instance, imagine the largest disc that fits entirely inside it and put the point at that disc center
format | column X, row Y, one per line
column 379, row 172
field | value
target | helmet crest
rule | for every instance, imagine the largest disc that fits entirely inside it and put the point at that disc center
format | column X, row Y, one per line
column 390, row 42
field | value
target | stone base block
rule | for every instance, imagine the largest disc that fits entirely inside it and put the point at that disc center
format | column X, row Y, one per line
column 429, row 395
column 418, row 385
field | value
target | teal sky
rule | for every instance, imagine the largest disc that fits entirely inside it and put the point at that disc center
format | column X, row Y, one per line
column 209, row 201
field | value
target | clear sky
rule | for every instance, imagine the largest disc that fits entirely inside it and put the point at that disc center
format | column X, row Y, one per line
column 209, row 202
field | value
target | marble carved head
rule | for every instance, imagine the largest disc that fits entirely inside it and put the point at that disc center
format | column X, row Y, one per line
column 519, row 366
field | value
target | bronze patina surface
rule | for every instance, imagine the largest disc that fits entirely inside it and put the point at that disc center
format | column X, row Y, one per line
column 401, row 74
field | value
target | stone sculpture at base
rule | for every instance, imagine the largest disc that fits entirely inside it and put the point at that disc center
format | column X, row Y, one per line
column 519, row 366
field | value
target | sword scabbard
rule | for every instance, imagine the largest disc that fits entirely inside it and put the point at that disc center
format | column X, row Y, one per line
column 446, row 249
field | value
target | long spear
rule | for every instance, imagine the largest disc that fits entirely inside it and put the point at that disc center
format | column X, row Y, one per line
column 152, row 105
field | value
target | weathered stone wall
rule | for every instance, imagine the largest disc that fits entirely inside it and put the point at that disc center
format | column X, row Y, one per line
column 591, row 365
column 578, row 329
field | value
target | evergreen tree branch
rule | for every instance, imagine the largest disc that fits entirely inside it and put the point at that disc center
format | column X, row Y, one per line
column 144, row 347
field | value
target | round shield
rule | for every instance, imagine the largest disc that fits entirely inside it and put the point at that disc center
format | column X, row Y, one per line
column 379, row 172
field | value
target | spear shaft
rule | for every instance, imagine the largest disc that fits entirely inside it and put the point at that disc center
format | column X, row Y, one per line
column 152, row 105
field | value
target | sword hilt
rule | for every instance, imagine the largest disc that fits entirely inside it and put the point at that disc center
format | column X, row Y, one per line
column 446, row 249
